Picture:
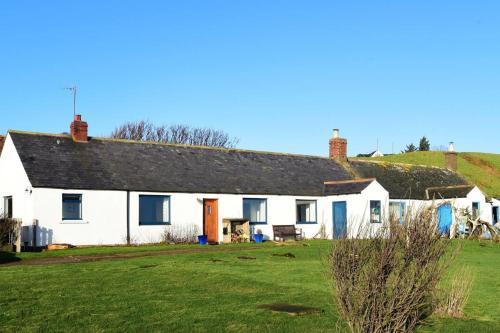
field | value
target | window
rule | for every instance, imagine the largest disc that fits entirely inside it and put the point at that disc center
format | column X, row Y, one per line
column 475, row 210
column 496, row 214
column 306, row 211
column 255, row 210
column 72, row 206
column 7, row 204
column 375, row 215
column 154, row 209
column 397, row 210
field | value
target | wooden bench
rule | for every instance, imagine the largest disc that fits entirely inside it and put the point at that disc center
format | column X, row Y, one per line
column 280, row 232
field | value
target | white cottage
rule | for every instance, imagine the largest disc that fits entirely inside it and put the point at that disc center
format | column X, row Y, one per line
column 87, row 191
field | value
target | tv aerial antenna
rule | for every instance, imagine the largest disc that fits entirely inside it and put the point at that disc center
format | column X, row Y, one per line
column 73, row 91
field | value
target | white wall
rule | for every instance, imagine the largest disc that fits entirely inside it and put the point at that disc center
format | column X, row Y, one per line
column 14, row 182
column 104, row 217
column 187, row 209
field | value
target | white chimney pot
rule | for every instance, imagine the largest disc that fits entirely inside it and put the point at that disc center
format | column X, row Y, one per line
column 335, row 133
column 451, row 147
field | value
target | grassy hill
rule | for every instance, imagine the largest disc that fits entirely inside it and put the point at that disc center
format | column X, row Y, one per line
column 481, row 169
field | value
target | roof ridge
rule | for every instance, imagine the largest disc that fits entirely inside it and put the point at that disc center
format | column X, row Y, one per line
column 449, row 187
column 399, row 163
column 171, row 144
column 359, row 180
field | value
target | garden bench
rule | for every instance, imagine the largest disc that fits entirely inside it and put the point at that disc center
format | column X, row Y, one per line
column 280, row 232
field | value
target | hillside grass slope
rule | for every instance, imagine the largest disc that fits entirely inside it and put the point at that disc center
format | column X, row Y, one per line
column 482, row 169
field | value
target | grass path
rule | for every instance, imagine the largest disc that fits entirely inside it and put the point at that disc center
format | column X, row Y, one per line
column 68, row 258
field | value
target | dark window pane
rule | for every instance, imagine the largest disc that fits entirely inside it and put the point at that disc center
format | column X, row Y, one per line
column 255, row 210
column 306, row 210
column 72, row 207
column 154, row 209
column 8, row 207
column 375, row 214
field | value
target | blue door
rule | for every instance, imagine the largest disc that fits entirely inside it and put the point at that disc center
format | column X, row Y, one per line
column 339, row 219
column 444, row 217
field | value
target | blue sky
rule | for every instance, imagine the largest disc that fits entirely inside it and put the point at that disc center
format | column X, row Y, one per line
column 280, row 75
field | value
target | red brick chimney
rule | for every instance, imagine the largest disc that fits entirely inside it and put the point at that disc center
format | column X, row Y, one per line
column 79, row 129
column 450, row 158
column 338, row 147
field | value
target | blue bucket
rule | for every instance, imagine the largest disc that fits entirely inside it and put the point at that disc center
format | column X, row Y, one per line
column 202, row 239
column 258, row 238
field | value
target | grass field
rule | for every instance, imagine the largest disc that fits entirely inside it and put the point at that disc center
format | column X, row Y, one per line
column 479, row 168
column 206, row 292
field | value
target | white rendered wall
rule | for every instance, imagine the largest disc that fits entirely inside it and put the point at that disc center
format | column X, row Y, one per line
column 187, row 209
column 14, row 182
column 104, row 217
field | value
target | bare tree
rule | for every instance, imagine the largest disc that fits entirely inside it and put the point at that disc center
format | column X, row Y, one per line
column 177, row 134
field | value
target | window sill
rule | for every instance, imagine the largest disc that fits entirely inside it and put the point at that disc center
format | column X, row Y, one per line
column 257, row 223
column 153, row 223
column 376, row 222
column 74, row 222
column 306, row 222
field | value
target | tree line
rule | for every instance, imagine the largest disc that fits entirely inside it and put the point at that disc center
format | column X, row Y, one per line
column 176, row 134
column 424, row 145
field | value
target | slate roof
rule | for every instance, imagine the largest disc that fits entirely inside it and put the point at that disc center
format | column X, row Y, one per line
column 55, row 161
column 346, row 187
column 449, row 192
column 405, row 181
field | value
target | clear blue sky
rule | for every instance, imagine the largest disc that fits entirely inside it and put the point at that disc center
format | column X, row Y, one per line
column 280, row 75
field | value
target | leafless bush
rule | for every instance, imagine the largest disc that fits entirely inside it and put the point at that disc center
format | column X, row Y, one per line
column 177, row 134
column 452, row 301
column 180, row 234
column 385, row 280
column 9, row 231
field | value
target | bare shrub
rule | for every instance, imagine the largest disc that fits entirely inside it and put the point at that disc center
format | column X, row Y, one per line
column 9, row 231
column 385, row 279
column 180, row 234
column 452, row 301
column 177, row 134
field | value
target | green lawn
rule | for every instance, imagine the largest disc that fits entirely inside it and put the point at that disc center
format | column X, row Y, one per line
column 207, row 292
column 482, row 169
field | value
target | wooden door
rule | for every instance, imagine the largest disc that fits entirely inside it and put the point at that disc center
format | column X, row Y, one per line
column 339, row 219
column 211, row 220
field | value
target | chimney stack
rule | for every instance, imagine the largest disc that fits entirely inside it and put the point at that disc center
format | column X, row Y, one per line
column 79, row 129
column 338, row 147
column 450, row 158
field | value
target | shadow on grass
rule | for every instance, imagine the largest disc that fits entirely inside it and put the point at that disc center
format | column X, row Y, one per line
column 8, row 257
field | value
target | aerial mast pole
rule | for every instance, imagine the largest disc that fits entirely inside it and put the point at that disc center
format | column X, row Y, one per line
column 73, row 91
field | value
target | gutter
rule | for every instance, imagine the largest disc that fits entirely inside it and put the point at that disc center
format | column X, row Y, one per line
column 128, row 217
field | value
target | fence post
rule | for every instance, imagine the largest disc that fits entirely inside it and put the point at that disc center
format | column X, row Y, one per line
column 18, row 234
column 34, row 229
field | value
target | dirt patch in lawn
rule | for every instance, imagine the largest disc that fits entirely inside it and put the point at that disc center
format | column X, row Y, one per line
column 115, row 256
column 287, row 255
column 246, row 258
column 291, row 309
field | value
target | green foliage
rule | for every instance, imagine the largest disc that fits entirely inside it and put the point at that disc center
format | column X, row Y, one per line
column 410, row 148
column 424, row 144
column 197, row 293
